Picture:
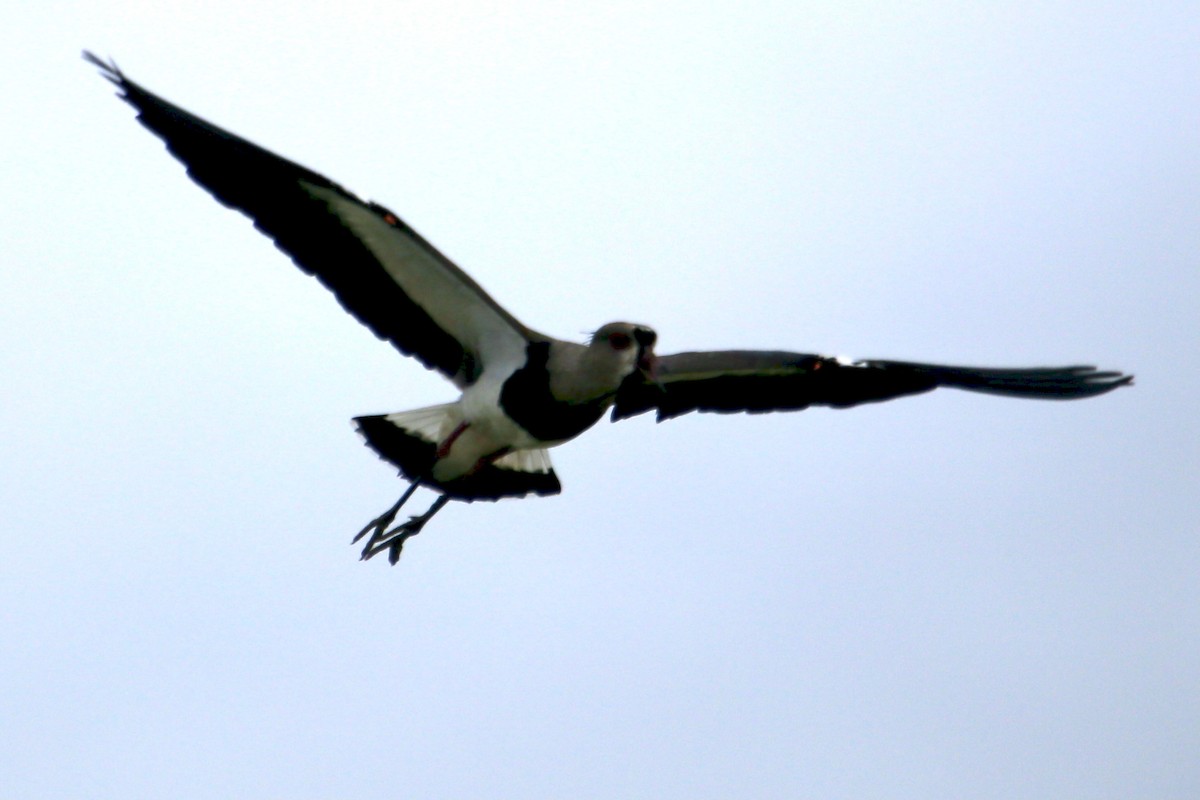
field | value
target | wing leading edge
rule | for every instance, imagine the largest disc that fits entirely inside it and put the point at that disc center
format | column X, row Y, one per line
column 381, row 270
column 761, row 381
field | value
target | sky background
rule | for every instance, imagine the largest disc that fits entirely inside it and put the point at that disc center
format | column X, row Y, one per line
column 951, row 595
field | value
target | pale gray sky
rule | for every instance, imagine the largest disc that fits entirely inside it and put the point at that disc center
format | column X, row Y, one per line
column 945, row 596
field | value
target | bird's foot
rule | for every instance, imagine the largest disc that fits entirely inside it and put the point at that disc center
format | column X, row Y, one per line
column 379, row 525
column 393, row 539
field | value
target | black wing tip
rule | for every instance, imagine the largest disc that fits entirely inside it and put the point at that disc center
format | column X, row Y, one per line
column 1068, row 383
column 108, row 69
column 1072, row 382
column 1099, row 382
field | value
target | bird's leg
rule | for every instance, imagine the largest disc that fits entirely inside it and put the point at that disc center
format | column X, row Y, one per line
column 443, row 449
column 393, row 540
column 377, row 526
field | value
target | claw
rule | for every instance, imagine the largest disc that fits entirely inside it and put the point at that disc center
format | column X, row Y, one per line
column 393, row 540
column 380, row 523
column 377, row 525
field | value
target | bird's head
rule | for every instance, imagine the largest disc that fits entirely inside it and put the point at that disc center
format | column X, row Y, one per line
column 632, row 346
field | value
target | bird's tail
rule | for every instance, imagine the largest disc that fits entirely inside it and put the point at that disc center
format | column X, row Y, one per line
column 409, row 440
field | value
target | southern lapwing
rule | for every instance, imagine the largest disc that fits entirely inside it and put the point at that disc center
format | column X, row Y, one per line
column 522, row 392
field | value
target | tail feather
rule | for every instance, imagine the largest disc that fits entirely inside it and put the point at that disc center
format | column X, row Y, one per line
column 526, row 461
column 431, row 424
column 407, row 440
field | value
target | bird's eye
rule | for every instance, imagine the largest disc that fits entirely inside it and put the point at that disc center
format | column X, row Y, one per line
column 620, row 341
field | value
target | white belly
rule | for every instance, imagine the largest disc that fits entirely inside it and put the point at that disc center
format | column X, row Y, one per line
column 489, row 431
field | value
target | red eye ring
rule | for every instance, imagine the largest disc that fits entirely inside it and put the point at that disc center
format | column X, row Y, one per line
column 620, row 341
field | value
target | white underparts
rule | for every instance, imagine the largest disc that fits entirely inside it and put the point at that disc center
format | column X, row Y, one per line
column 434, row 424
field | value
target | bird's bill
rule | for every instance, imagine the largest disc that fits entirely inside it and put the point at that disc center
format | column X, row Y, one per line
column 648, row 366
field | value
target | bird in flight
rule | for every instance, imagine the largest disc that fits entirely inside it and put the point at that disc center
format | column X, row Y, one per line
column 522, row 392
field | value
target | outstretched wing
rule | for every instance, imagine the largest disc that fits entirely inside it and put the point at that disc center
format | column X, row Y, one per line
column 760, row 381
column 380, row 269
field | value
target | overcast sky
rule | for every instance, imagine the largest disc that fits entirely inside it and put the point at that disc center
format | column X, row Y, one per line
column 951, row 595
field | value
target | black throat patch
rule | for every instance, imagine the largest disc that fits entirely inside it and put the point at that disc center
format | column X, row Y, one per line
column 526, row 398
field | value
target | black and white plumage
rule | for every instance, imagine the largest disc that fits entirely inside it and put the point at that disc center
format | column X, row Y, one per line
column 522, row 391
